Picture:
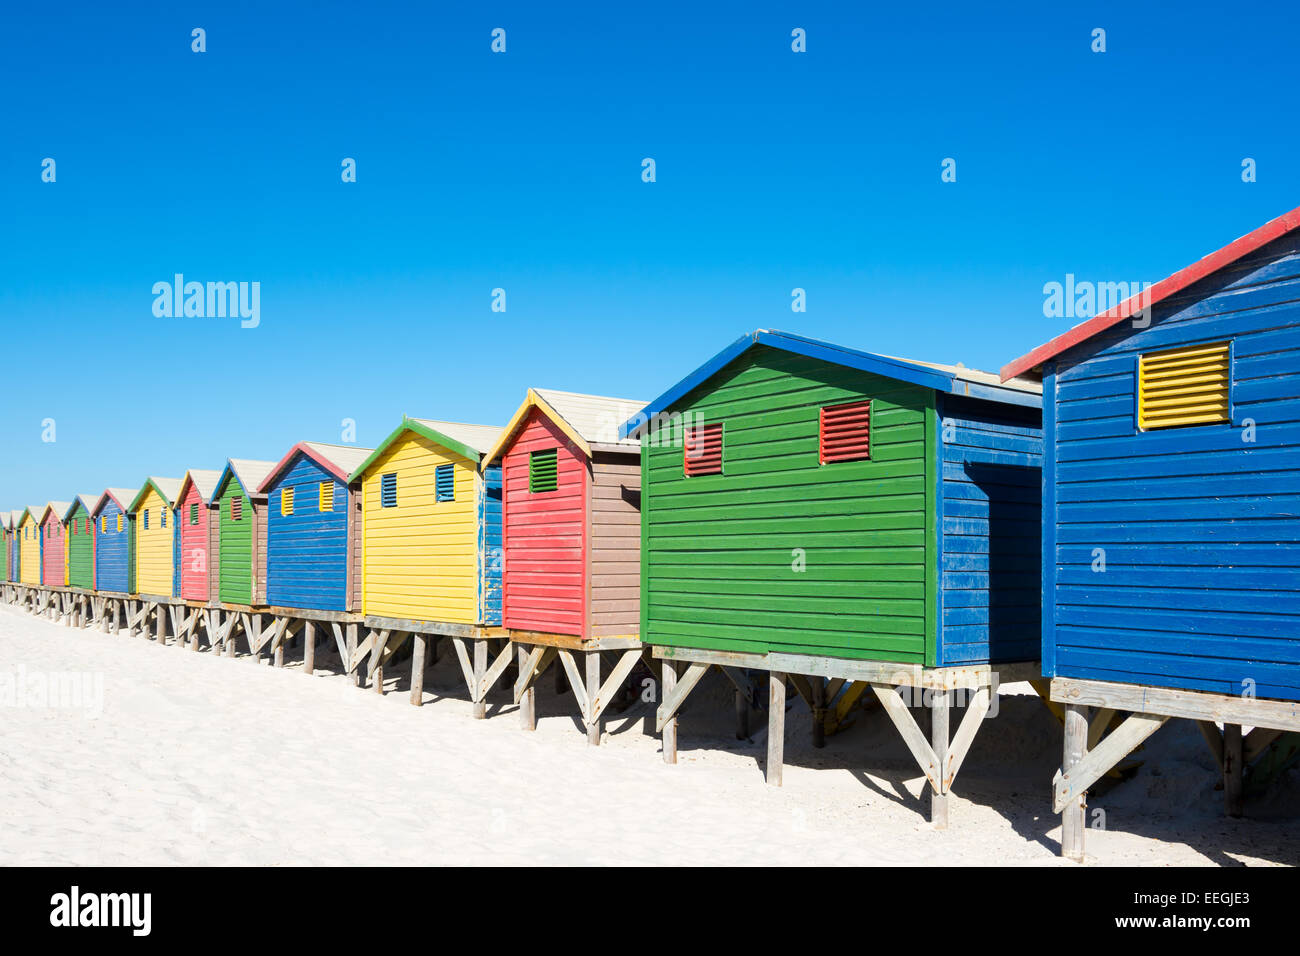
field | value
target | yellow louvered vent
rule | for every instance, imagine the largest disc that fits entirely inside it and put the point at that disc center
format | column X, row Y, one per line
column 1187, row 386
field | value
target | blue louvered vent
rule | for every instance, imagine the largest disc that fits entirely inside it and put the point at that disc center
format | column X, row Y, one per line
column 445, row 481
column 388, row 490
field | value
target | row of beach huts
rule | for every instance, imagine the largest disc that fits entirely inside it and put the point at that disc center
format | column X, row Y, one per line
column 1115, row 518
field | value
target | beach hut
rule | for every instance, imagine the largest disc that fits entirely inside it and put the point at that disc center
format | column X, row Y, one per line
column 10, row 561
column 54, row 567
column 241, row 535
column 7, row 538
column 571, row 538
column 155, row 557
column 1171, row 533
column 80, row 539
column 430, row 520
column 154, row 537
column 195, row 534
column 848, row 519
column 115, row 542
column 28, row 533
column 114, row 524
column 239, row 513
column 312, row 545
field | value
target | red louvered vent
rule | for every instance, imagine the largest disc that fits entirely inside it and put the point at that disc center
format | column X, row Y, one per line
column 703, row 450
column 845, row 432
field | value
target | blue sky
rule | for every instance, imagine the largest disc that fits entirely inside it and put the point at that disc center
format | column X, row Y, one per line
column 522, row 171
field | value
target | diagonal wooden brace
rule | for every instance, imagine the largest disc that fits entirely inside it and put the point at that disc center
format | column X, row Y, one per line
column 677, row 696
column 899, row 713
column 961, row 741
column 538, row 660
column 576, row 682
column 613, row 682
column 493, row 672
column 1114, row 748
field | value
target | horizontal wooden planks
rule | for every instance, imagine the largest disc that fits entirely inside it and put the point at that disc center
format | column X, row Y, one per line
column 781, row 552
column 1174, row 551
column 545, row 534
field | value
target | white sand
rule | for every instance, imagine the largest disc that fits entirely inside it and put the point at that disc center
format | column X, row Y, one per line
column 203, row 760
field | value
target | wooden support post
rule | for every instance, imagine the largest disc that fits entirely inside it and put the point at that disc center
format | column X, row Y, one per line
column 775, row 727
column 309, row 647
column 1073, row 820
column 742, row 715
column 819, row 712
column 670, row 726
column 480, row 668
column 354, row 675
column 594, row 722
column 528, row 700
column 939, row 710
column 1232, row 769
column 160, row 625
column 418, row 655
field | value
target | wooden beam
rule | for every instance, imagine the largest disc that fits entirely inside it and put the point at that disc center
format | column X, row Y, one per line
column 1194, row 705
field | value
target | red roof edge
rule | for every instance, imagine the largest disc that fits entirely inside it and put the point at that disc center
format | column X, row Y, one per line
column 1161, row 290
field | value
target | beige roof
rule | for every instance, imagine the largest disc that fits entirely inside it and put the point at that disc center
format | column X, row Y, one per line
column 60, row 508
column 479, row 437
column 347, row 458
column 251, row 473
column 205, row 479
column 170, row 487
column 124, row 496
column 976, row 375
column 596, row 418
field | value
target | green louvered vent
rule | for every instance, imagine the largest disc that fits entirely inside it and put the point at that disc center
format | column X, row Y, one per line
column 542, row 471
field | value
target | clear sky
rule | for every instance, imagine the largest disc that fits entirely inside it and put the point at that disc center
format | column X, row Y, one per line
column 522, row 170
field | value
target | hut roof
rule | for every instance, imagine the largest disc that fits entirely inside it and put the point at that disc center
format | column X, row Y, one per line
column 339, row 460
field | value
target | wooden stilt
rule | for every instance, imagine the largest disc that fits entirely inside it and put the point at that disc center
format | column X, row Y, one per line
column 354, row 675
column 480, row 668
column 418, row 655
column 309, row 647
column 775, row 727
column 594, row 722
column 819, row 712
column 939, row 711
column 160, row 624
column 1073, row 820
column 528, row 700
column 670, row 726
column 1232, row 769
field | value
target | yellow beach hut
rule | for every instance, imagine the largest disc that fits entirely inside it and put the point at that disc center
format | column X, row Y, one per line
column 430, row 538
column 155, row 536
column 29, row 545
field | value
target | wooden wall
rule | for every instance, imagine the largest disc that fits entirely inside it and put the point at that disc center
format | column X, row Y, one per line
column 615, row 553
column 1171, row 556
column 544, row 535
